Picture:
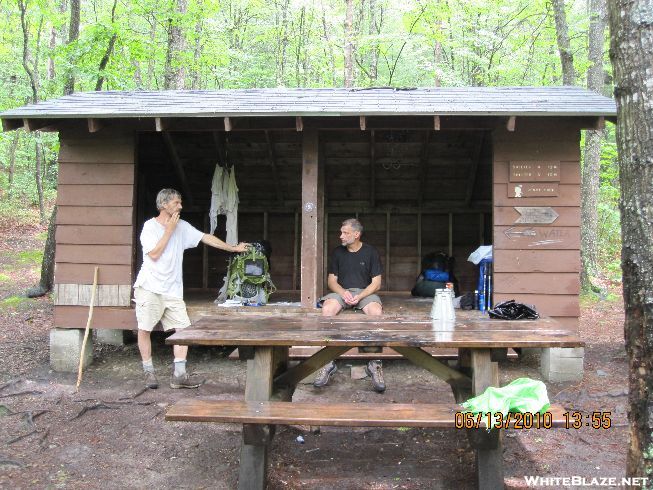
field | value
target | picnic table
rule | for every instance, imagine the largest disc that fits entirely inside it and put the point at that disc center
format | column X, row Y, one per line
column 270, row 383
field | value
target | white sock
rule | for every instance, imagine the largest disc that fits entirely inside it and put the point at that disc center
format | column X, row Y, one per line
column 148, row 366
column 180, row 367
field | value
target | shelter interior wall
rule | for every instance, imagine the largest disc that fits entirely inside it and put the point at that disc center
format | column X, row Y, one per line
column 416, row 191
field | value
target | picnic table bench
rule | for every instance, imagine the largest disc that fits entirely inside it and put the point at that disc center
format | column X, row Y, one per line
column 271, row 381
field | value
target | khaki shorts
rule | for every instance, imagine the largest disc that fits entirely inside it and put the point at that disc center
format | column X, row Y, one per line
column 152, row 308
column 372, row 298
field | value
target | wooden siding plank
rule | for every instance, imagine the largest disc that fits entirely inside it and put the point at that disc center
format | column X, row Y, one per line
column 95, row 149
column 569, row 195
column 508, row 215
column 94, row 254
column 95, row 195
column 563, row 149
column 96, row 173
column 569, row 172
column 546, row 304
column 83, row 273
column 84, row 215
column 545, row 237
column 537, row 282
column 103, row 317
column 94, row 235
column 536, row 261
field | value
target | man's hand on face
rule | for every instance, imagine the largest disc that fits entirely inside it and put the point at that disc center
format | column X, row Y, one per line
column 172, row 223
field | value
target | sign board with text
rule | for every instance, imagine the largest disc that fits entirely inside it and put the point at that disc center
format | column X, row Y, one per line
column 534, row 171
column 518, row 189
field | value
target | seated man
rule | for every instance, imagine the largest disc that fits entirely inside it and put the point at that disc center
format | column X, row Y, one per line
column 355, row 271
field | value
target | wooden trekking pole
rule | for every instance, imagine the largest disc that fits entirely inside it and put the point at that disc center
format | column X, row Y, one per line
column 88, row 328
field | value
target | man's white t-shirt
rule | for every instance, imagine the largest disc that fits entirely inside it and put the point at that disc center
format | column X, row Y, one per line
column 164, row 276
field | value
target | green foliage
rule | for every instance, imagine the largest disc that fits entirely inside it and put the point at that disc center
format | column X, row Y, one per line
column 12, row 302
column 288, row 43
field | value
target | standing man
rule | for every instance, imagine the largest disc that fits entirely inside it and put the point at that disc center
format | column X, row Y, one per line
column 159, row 290
column 355, row 272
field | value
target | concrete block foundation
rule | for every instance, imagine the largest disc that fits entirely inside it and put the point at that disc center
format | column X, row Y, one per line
column 562, row 364
column 65, row 348
column 110, row 336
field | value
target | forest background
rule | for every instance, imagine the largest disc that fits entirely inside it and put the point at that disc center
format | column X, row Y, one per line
column 48, row 49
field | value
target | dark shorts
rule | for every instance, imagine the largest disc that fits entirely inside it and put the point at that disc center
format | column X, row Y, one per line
column 372, row 298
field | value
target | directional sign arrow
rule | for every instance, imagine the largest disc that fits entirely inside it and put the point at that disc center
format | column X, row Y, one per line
column 539, row 215
column 512, row 233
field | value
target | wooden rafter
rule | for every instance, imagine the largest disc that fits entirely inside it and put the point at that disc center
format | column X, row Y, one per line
column 94, row 125
column 362, row 122
column 299, row 123
column 476, row 157
column 178, row 166
column 436, row 123
column 510, row 125
column 273, row 164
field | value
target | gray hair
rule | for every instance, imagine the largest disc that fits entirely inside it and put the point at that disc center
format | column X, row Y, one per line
column 354, row 224
column 165, row 196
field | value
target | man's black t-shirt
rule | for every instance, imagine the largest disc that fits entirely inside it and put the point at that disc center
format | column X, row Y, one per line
column 355, row 269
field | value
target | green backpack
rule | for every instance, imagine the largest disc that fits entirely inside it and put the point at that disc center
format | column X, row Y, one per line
column 249, row 276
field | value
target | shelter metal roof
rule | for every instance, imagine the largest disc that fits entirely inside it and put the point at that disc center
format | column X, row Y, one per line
column 463, row 101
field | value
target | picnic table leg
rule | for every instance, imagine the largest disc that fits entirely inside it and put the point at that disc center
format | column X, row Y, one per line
column 489, row 450
column 256, row 438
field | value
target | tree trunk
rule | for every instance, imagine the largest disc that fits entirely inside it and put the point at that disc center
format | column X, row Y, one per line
column 631, row 52
column 349, row 44
column 73, row 35
column 592, row 161
column 47, row 264
column 562, row 34
column 150, row 61
column 330, row 53
column 37, row 173
column 174, row 75
column 107, row 54
column 12, row 160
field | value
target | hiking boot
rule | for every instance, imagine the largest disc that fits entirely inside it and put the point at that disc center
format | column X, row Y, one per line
column 150, row 380
column 375, row 371
column 324, row 375
column 184, row 381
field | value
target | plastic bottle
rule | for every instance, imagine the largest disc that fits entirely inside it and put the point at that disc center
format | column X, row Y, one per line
column 476, row 299
column 481, row 301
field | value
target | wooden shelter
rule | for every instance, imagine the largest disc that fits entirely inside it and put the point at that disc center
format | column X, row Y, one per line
column 424, row 169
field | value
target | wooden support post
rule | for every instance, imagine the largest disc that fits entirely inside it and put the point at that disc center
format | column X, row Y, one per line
column 372, row 169
column 312, row 220
column 436, row 123
column 265, row 225
column 510, row 125
column 227, row 124
column 295, row 253
column 362, row 122
column 253, row 457
column 94, row 125
column 387, row 251
column 419, row 242
column 325, row 251
column 205, row 255
column 489, row 453
column 299, row 124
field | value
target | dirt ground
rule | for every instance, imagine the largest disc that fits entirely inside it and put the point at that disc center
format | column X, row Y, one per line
column 112, row 433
